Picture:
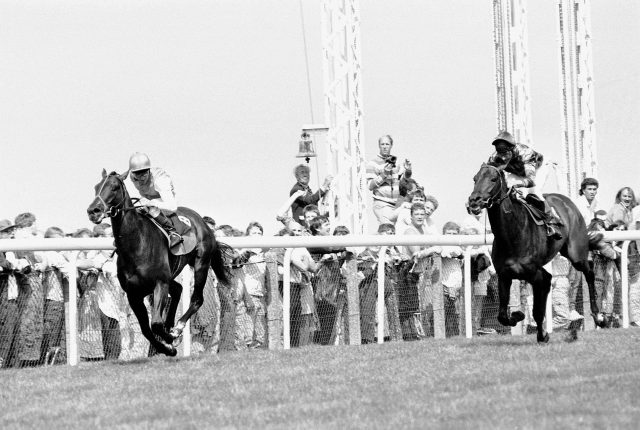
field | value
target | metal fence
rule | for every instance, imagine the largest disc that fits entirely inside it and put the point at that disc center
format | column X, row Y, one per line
column 50, row 317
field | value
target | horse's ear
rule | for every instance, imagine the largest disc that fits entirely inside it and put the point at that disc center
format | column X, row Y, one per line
column 104, row 173
column 124, row 175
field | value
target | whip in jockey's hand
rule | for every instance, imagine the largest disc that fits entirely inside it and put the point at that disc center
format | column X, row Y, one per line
column 156, row 191
column 522, row 162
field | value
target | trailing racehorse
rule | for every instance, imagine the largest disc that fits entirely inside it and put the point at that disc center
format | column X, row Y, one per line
column 521, row 247
column 146, row 266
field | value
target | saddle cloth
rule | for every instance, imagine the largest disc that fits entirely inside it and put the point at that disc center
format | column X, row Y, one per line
column 183, row 227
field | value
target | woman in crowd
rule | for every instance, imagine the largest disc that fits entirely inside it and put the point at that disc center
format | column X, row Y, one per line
column 622, row 208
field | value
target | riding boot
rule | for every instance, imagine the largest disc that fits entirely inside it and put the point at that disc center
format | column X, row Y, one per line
column 551, row 221
column 174, row 237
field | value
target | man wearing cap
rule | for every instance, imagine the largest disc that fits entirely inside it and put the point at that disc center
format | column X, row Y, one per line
column 522, row 163
column 156, row 189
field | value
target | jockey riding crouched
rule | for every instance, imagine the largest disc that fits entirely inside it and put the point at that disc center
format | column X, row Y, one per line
column 156, row 191
column 523, row 163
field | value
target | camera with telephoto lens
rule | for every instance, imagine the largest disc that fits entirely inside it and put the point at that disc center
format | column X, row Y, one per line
column 391, row 159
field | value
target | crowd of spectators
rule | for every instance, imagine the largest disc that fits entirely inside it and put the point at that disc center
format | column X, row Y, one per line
column 33, row 285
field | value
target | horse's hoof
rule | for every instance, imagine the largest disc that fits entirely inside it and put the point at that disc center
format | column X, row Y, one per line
column 543, row 339
column 175, row 333
column 172, row 351
column 517, row 316
column 599, row 320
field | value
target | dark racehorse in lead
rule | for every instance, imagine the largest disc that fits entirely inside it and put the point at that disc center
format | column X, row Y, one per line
column 521, row 247
column 145, row 265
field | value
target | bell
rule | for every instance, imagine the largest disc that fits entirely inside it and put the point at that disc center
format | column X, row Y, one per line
column 306, row 147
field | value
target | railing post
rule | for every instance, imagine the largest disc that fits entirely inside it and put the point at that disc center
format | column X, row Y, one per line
column 380, row 303
column 353, row 300
column 71, row 312
column 468, row 290
column 186, row 279
column 274, row 306
column 286, row 299
column 515, row 304
column 625, row 283
column 432, row 279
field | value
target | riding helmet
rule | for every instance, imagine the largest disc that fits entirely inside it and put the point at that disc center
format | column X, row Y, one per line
column 139, row 161
column 505, row 136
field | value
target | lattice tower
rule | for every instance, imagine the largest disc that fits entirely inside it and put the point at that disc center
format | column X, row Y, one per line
column 576, row 83
column 343, row 112
column 512, row 69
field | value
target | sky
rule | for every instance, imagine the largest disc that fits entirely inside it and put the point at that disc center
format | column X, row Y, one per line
column 216, row 92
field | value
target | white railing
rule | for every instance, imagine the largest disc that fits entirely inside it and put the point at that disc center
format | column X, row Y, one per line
column 289, row 242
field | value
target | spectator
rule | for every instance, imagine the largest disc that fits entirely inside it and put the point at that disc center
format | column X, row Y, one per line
column 402, row 214
column 9, row 310
column 30, row 298
column 302, row 303
column 310, row 212
column 56, row 278
column 586, row 201
column 283, row 213
column 451, row 280
column 623, row 207
column 384, row 174
column 255, row 273
column 481, row 272
column 368, row 287
column 606, row 275
column 301, row 173
column 408, row 296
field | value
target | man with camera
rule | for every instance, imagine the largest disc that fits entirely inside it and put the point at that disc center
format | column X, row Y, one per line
column 384, row 174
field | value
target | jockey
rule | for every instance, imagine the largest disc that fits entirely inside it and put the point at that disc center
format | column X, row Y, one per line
column 522, row 163
column 156, row 191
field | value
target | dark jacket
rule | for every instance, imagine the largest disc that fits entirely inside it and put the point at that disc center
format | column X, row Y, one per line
column 524, row 162
column 308, row 199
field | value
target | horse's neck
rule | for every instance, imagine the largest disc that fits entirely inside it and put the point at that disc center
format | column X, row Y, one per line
column 126, row 225
column 504, row 217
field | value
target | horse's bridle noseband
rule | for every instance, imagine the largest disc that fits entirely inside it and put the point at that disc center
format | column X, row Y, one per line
column 496, row 198
column 111, row 211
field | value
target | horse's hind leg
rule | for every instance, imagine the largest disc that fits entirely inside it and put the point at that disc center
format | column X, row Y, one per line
column 197, row 297
column 541, row 288
column 138, row 308
column 504, row 292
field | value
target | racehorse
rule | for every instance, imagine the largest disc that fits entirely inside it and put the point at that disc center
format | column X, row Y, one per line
column 521, row 247
column 145, row 265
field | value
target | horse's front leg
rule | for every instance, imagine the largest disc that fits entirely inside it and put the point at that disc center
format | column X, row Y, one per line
column 139, row 309
column 541, row 287
column 158, row 313
column 504, row 292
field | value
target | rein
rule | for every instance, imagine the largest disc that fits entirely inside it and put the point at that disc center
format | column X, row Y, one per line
column 497, row 198
column 112, row 211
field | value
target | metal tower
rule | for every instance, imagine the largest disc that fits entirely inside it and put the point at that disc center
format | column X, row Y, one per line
column 512, row 69
column 576, row 82
column 343, row 112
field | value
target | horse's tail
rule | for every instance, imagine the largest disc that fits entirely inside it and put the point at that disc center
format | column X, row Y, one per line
column 221, row 253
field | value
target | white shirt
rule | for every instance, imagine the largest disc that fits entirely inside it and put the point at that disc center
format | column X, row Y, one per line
column 587, row 210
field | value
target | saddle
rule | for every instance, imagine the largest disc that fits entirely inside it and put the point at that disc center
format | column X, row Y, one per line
column 534, row 207
column 183, row 227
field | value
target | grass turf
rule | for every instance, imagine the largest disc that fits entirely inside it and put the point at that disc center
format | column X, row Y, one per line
column 490, row 382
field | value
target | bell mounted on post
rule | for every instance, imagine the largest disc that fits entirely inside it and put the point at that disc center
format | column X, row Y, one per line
column 307, row 143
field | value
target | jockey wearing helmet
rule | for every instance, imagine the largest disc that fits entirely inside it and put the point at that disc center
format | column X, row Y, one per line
column 156, row 191
column 522, row 163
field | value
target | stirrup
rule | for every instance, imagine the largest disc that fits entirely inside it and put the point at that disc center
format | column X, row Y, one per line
column 175, row 239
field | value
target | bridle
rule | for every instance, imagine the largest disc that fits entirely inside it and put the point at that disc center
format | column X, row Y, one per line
column 114, row 210
column 496, row 198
